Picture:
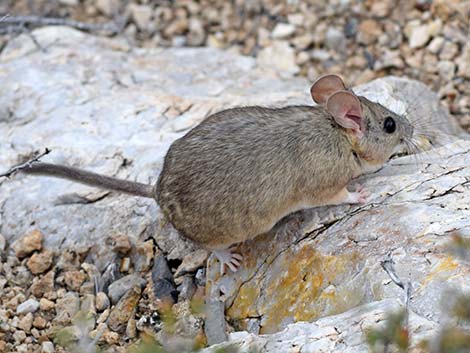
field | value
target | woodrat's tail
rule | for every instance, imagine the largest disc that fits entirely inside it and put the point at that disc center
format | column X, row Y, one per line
column 90, row 178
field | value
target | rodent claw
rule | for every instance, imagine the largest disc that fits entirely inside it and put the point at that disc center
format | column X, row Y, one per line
column 235, row 262
column 237, row 256
column 232, row 267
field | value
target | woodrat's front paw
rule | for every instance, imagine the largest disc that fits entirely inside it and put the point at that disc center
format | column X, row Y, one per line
column 228, row 258
column 360, row 195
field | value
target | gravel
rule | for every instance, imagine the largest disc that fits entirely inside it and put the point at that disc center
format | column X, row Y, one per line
column 429, row 38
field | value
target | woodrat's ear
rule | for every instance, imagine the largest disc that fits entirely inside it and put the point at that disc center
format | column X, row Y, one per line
column 325, row 86
column 346, row 109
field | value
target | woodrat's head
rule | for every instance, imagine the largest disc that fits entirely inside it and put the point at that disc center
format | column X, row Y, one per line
column 375, row 132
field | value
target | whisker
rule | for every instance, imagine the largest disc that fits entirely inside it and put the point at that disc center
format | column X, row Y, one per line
column 436, row 136
column 413, row 151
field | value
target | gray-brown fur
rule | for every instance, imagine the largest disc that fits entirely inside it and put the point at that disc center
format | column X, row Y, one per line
column 89, row 178
column 375, row 143
column 241, row 170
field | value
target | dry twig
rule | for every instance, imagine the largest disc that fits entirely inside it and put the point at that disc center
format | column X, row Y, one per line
column 4, row 17
column 24, row 165
column 389, row 268
column 18, row 23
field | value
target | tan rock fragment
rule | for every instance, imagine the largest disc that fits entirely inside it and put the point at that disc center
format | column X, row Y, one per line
column 40, row 262
column 124, row 310
column 29, row 243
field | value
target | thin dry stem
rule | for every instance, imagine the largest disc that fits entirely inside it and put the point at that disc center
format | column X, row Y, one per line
column 24, row 165
column 18, row 22
column 389, row 267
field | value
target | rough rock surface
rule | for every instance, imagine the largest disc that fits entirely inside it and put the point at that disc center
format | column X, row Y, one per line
column 114, row 111
column 362, row 40
column 331, row 262
column 342, row 333
column 98, row 104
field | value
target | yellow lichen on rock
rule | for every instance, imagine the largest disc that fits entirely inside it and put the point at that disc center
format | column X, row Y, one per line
column 301, row 290
column 443, row 267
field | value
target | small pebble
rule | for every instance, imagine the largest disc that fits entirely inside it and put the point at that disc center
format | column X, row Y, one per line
column 29, row 243
column 47, row 347
column 102, row 301
column 29, row 306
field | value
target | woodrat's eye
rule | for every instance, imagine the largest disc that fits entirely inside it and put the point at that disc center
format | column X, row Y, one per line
column 389, row 125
